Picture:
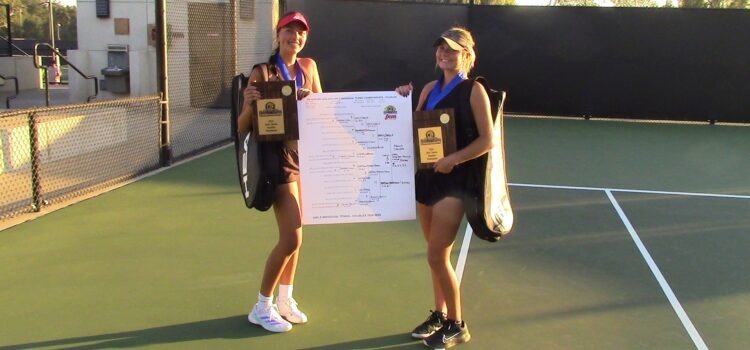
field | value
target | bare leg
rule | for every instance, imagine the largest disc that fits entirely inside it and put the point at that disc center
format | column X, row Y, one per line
column 446, row 218
column 425, row 219
column 290, row 269
column 282, row 261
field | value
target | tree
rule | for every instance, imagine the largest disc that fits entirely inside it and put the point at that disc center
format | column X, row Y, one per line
column 715, row 4
column 495, row 2
column 477, row 2
column 30, row 20
column 634, row 3
column 574, row 3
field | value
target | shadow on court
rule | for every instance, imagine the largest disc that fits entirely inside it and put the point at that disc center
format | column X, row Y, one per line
column 234, row 327
column 395, row 341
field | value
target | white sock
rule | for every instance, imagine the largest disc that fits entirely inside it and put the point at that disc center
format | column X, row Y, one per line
column 285, row 291
column 264, row 300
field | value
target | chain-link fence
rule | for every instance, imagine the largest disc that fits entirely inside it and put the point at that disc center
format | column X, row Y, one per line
column 209, row 43
column 48, row 155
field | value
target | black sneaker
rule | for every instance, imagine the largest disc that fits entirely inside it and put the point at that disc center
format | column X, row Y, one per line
column 450, row 334
column 429, row 326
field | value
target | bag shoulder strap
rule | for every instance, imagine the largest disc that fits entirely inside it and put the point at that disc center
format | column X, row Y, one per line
column 263, row 70
column 496, row 97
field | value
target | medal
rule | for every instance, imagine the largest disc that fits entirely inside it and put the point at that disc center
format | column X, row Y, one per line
column 436, row 95
column 285, row 71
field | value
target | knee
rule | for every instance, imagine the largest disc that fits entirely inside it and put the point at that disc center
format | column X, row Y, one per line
column 435, row 258
column 290, row 244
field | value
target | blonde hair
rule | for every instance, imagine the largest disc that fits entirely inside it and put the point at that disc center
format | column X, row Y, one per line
column 464, row 38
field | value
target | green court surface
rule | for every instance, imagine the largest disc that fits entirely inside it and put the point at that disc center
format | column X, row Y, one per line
column 627, row 236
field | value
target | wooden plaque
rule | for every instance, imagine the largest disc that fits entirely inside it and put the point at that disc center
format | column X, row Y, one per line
column 434, row 136
column 275, row 117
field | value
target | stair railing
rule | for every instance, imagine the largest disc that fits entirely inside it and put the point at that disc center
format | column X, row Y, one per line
column 37, row 64
column 7, row 99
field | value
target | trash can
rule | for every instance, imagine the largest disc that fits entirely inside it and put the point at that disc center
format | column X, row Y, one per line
column 117, row 79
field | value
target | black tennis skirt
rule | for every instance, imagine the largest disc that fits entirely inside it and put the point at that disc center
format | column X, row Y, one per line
column 431, row 186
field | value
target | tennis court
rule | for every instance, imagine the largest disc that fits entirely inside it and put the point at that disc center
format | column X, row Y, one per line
column 628, row 236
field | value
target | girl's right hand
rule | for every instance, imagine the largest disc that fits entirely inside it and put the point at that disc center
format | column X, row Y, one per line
column 404, row 90
column 251, row 94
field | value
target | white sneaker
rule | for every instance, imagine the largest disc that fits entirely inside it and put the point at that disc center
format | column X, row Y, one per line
column 289, row 310
column 269, row 318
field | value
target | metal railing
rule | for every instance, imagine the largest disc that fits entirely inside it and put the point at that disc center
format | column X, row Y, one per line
column 7, row 99
column 11, row 45
column 46, row 80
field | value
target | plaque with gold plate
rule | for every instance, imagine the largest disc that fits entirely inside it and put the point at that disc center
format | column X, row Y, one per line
column 275, row 117
column 434, row 136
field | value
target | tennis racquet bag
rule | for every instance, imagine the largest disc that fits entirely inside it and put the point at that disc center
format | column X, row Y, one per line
column 258, row 163
column 488, row 208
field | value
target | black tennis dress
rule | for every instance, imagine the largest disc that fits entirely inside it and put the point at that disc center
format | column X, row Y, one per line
column 432, row 186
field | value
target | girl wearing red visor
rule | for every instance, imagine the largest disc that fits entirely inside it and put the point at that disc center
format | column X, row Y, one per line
column 440, row 190
column 291, row 36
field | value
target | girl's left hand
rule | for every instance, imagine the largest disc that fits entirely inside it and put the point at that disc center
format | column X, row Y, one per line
column 405, row 90
column 302, row 93
column 444, row 165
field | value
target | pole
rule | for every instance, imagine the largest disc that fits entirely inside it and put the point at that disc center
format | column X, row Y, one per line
column 51, row 25
column 55, row 59
column 10, row 33
column 36, row 185
column 163, row 73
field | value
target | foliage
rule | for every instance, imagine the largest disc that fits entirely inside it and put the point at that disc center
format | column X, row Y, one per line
column 634, row 3
column 574, row 3
column 715, row 4
column 723, row 4
column 495, row 2
column 476, row 2
column 30, row 20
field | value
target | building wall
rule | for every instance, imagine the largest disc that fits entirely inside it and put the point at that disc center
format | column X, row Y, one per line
column 255, row 36
column 95, row 34
column 21, row 67
column 254, row 44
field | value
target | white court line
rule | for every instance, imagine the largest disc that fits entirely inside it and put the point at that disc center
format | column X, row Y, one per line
column 632, row 191
column 699, row 343
column 681, row 314
column 464, row 253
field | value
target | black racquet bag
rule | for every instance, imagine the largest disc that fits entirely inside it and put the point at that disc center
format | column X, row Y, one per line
column 258, row 163
column 487, row 206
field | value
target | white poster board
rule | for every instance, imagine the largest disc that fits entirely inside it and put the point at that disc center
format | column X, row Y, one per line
column 356, row 157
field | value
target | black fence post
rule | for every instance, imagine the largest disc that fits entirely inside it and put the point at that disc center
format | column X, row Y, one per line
column 162, row 65
column 36, row 186
column 10, row 32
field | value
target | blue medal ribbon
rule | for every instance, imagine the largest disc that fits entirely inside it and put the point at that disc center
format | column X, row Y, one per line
column 438, row 93
column 285, row 72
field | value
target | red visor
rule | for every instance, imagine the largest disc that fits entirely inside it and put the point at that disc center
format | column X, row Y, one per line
column 292, row 17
